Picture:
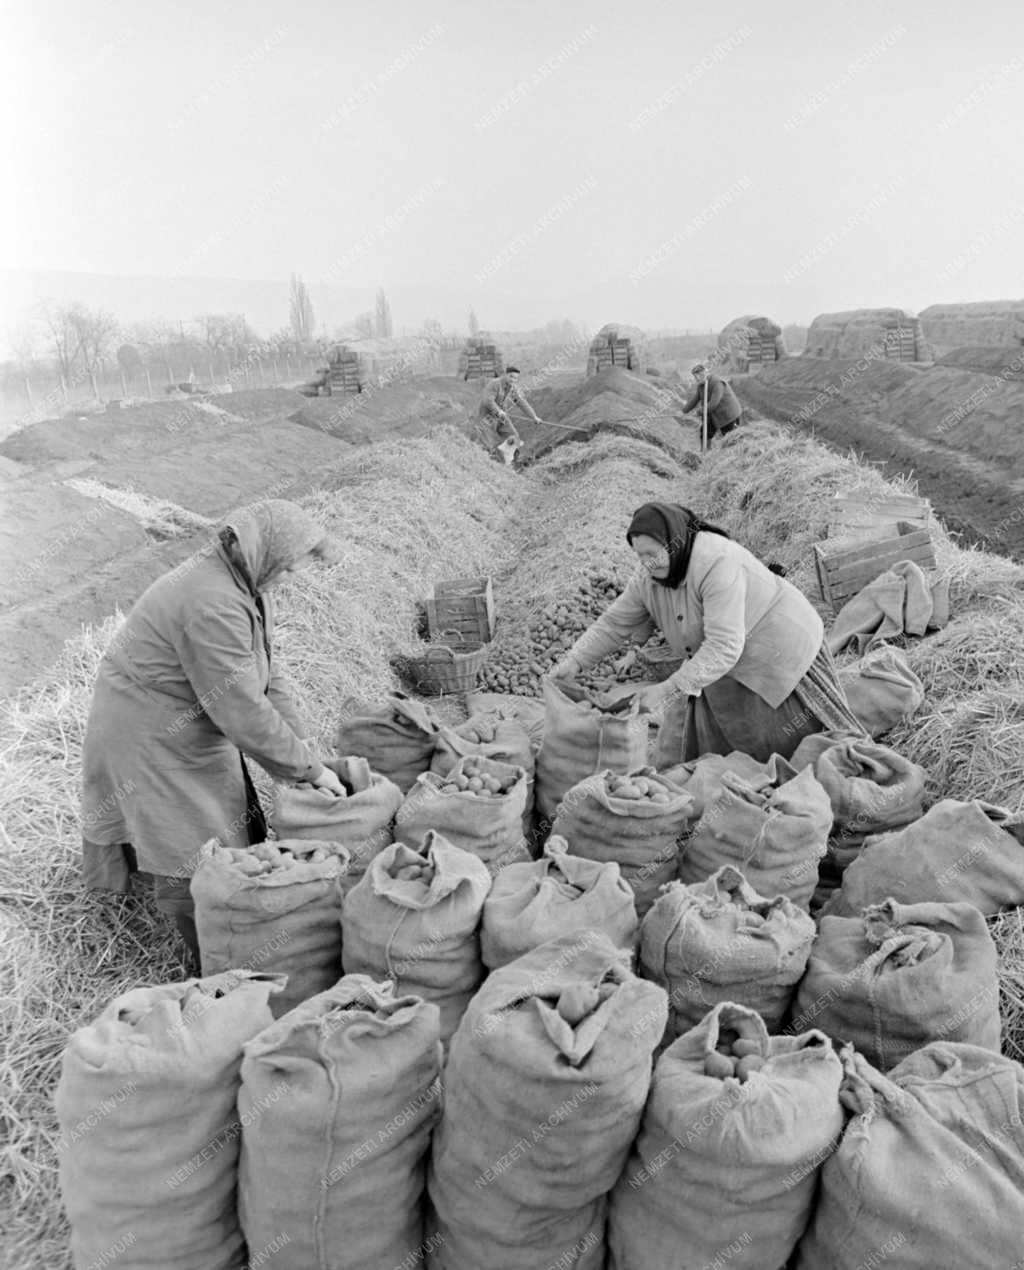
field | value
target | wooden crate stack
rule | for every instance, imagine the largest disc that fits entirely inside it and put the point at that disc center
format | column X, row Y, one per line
column 343, row 375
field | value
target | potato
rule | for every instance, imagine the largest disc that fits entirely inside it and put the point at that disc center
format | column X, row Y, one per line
column 727, row 1038
column 577, row 1001
column 660, row 796
column 744, row 1048
column 752, row 1063
column 319, row 856
column 629, row 792
column 719, row 1065
column 475, row 783
column 462, row 781
column 449, row 787
column 642, row 784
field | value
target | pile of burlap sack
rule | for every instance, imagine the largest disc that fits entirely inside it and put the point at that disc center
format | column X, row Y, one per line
column 482, row 1020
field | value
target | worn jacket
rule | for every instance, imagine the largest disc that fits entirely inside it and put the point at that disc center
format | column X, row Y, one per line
column 186, row 684
column 723, row 404
column 730, row 616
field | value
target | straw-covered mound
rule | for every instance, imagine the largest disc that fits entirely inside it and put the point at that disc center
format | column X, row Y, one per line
column 750, row 340
column 1004, row 360
column 617, row 344
column 949, row 326
column 891, row 333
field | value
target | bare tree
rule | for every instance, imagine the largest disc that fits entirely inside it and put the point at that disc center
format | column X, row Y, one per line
column 382, row 318
column 474, row 323
column 300, row 310
column 63, row 341
column 94, row 329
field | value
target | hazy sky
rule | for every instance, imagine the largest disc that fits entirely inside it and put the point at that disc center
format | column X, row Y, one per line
column 634, row 160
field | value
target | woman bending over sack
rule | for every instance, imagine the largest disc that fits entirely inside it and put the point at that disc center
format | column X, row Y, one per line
column 186, row 688
column 756, row 676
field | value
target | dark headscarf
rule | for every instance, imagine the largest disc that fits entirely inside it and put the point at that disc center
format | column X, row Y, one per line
column 675, row 527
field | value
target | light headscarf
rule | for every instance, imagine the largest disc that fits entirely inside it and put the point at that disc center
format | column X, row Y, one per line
column 272, row 535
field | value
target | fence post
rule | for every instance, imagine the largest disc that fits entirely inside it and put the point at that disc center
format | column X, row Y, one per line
column 149, row 383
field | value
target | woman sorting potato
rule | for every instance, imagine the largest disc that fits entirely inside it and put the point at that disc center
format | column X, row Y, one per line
column 186, row 688
column 756, row 675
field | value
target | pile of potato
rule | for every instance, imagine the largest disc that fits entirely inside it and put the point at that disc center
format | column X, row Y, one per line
column 738, row 1053
column 472, row 777
column 266, row 857
column 518, row 661
column 636, row 788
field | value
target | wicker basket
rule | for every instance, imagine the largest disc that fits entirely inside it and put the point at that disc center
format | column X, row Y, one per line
column 453, row 666
column 659, row 661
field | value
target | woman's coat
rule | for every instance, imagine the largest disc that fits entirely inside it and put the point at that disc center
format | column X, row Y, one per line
column 186, row 684
column 729, row 616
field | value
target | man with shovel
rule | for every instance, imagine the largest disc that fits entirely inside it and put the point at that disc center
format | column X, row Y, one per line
column 494, row 428
column 724, row 412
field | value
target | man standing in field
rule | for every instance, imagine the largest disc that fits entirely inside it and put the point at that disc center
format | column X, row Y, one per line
column 494, row 428
column 724, row 410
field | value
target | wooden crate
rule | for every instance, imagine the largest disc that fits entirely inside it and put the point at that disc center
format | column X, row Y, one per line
column 465, row 605
column 862, row 516
column 846, row 565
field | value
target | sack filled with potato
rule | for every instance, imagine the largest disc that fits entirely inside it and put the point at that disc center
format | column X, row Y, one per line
column 773, row 827
column 414, row 918
column 337, row 1104
column 720, row 941
column 395, row 736
column 276, row 907
column 584, row 733
column 544, row 1085
column 360, row 821
column 533, row 902
column 635, row 819
column 149, row 1127
column 489, row 734
column 478, row 805
column 900, row 976
column 734, row 1134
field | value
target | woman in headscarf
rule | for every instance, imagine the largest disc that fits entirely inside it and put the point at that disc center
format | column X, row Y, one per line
column 756, row 675
column 187, row 687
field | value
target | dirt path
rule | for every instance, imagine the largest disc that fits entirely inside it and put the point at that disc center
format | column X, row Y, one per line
column 977, row 499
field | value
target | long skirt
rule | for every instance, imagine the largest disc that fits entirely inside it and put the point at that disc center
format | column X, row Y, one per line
column 727, row 717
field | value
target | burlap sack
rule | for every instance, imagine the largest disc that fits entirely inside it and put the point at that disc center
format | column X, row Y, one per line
column 361, row 821
column 871, row 789
column 396, row 737
column 286, row 921
column 900, row 976
column 421, row 932
column 149, row 1129
column 555, row 895
column 489, row 735
column 957, row 851
column 488, row 825
column 337, row 1105
column 583, row 736
column 638, row 833
column 930, row 1169
column 540, row 1111
column 774, row 830
column 881, row 689
column 723, row 1173
column 702, row 778
column 718, row 941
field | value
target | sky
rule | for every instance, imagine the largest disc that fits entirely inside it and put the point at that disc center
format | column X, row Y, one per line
column 640, row 161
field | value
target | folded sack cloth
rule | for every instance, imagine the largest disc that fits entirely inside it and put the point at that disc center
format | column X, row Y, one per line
column 900, row 601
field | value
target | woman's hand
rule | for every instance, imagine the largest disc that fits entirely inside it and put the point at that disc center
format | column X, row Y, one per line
column 329, row 780
column 656, row 696
column 567, row 668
